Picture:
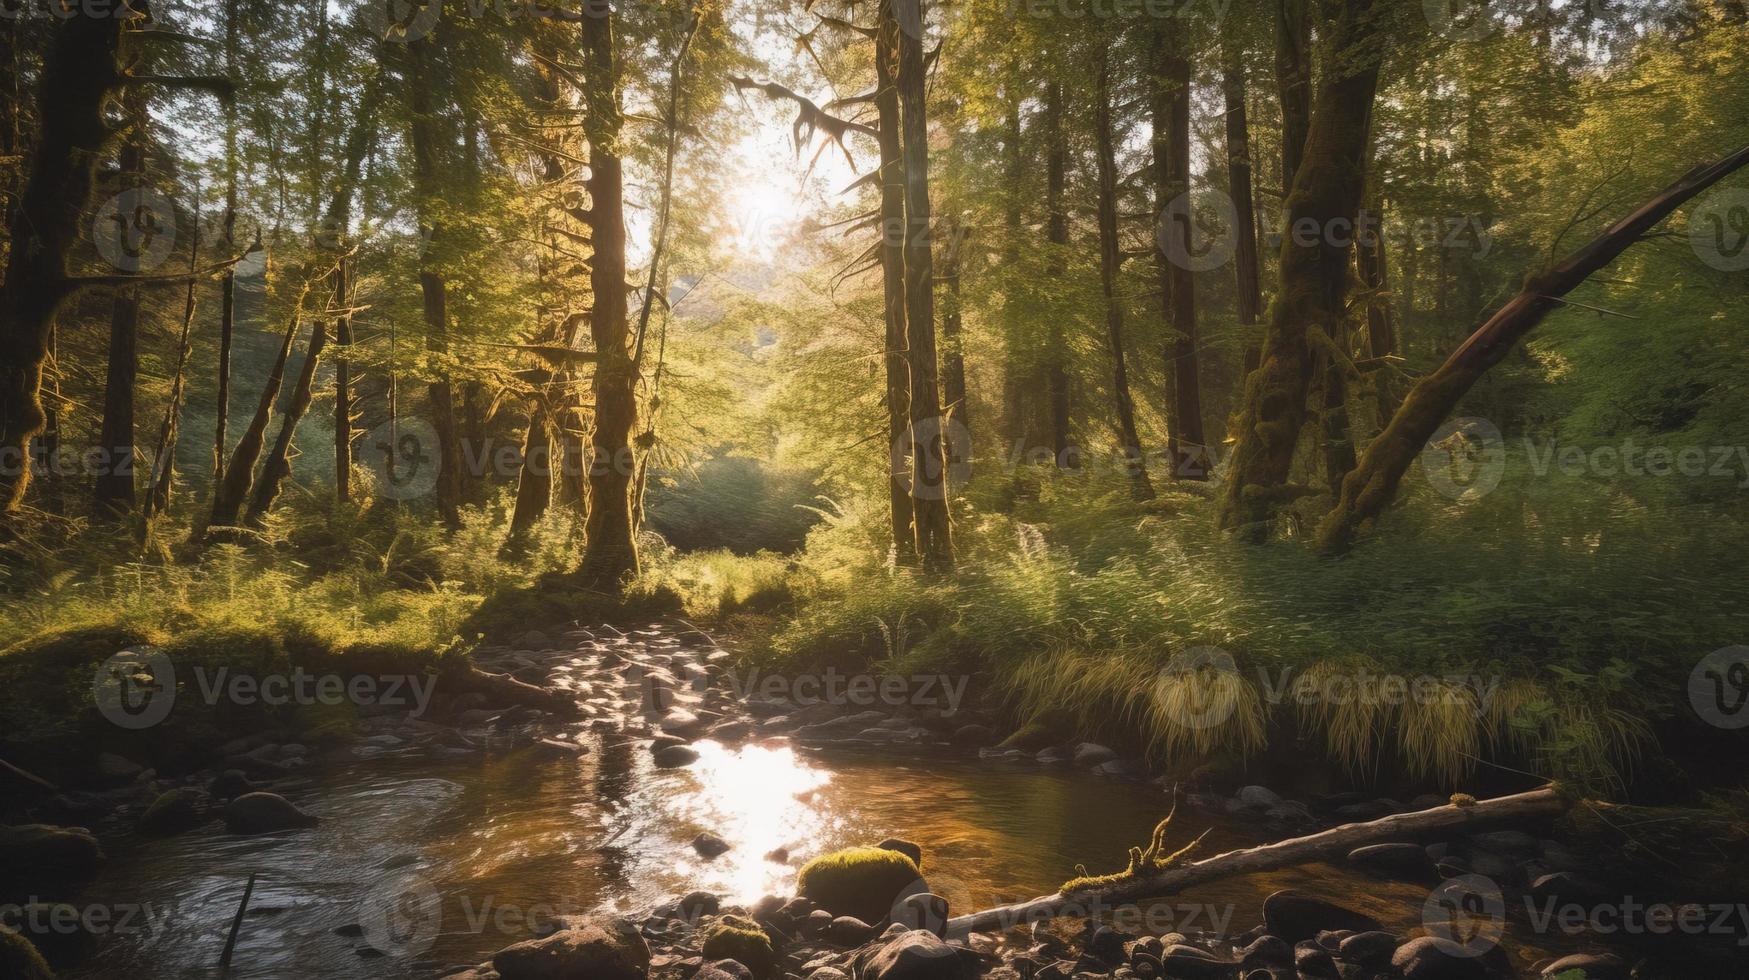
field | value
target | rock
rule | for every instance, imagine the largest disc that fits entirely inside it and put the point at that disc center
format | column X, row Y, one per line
column 862, row 881
column 41, row 859
column 265, row 813
column 778, row 855
column 1371, row 950
column 909, row 849
column 723, row 970
column 709, row 845
column 973, row 736
column 1593, row 966
column 1558, row 857
column 1313, row 962
column 1190, row 963
column 1266, row 952
column 230, row 784
column 608, row 951
column 828, row 973
column 1515, row 843
column 19, row 960
column 918, row 955
column 1295, row 917
column 848, row 930
column 350, row 930
column 1432, row 958
column 816, row 923
column 733, row 937
column 1261, row 797
column 675, row 756
column 1571, row 887
column 1122, row 769
column 58, row 931
column 1490, row 865
column 173, row 812
column 1052, row 755
column 924, row 911
column 1108, row 944
column 1090, row 754
column 118, row 768
column 695, row 905
column 1404, row 862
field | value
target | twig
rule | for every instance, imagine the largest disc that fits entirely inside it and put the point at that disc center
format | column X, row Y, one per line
column 236, row 923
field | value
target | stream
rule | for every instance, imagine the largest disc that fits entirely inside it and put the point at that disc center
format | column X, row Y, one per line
column 421, row 866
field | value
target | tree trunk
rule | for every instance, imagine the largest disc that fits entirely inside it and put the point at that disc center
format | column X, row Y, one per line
column 432, row 287
column 78, row 74
column 534, row 485
column 113, row 492
column 610, row 550
column 228, row 289
column 928, row 458
column 1372, row 486
column 233, row 490
column 1109, row 258
column 343, row 414
column 898, row 367
column 1314, row 276
column 1186, row 448
column 278, row 465
column 1250, row 295
column 1373, row 269
column 1293, row 82
column 1057, row 235
column 1337, row 431
column 164, row 460
column 953, row 358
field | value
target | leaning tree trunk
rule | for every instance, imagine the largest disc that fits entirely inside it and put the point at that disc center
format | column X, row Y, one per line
column 1373, row 484
column 1186, row 446
column 1250, row 295
column 163, row 472
column 79, row 71
column 278, row 465
column 898, row 368
column 233, row 490
column 1314, row 277
column 928, row 459
column 610, row 546
column 1057, row 236
column 1109, row 259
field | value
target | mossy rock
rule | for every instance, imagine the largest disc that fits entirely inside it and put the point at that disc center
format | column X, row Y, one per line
column 174, row 811
column 47, row 861
column 864, row 882
column 1044, row 729
column 19, row 960
column 733, row 937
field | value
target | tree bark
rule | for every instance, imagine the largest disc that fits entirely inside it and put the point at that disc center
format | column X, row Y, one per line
column 1109, row 259
column 228, row 288
column 433, row 290
column 1293, row 82
column 610, row 550
column 1321, row 212
column 1373, row 268
column 1536, row 805
column 233, row 490
column 163, row 473
column 1186, row 446
column 953, row 358
column 928, row 458
column 278, row 465
column 1373, row 484
column 1057, row 236
column 897, row 363
column 343, row 415
column 1250, row 295
column 78, row 74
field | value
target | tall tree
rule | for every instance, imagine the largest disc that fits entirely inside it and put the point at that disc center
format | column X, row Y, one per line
column 1057, row 237
column 113, row 489
column 1250, row 295
column 1186, row 451
column 897, row 361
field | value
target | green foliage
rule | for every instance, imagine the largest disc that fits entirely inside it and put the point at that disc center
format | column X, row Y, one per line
column 859, row 881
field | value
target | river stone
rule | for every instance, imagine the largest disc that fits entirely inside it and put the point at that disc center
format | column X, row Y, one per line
column 918, row 955
column 1295, row 917
column 924, row 911
column 1570, row 887
column 675, row 756
column 1371, row 950
column 1191, row 963
column 1108, row 944
column 724, row 970
column 1432, row 958
column 264, row 813
column 40, row 858
column 174, row 811
column 848, row 930
column 19, row 960
column 1313, row 962
column 709, row 845
column 1406, row 862
column 694, row 905
column 828, row 973
column 610, row 951
column 1266, row 952
column 910, row 849
column 118, row 767
column 1593, row 966
column 1258, row 796
column 973, row 736
column 1516, row 843
column 1089, row 754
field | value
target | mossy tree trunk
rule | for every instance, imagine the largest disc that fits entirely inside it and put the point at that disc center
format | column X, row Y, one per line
column 1321, row 211
column 1373, row 484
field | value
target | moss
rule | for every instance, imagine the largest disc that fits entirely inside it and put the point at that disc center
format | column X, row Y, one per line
column 1045, row 728
column 733, row 937
column 859, row 881
column 1143, row 862
column 19, row 960
column 174, row 811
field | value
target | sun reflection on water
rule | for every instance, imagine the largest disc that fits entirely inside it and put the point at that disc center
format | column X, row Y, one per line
column 759, row 798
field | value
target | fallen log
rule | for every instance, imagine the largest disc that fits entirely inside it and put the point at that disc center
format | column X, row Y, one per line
column 1465, row 815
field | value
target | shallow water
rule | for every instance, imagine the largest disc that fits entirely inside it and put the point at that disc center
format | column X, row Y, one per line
column 444, row 866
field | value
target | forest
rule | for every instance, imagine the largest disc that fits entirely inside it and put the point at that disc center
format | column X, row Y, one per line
column 809, row 489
